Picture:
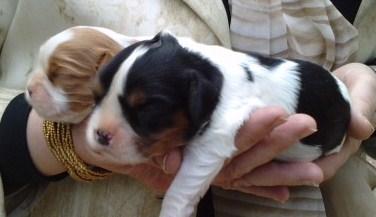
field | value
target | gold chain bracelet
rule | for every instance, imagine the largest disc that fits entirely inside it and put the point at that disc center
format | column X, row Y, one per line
column 59, row 140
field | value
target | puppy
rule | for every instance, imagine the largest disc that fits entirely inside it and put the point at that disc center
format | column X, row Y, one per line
column 63, row 81
column 169, row 91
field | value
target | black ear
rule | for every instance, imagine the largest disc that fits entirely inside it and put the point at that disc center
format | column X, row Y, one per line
column 156, row 41
column 203, row 97
column 163, row 38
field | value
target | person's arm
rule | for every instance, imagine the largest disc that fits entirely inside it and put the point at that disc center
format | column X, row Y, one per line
column 36, row 161
column 41, row 156
column 16, row 163
column 258, row 141
column 361, row 82
column 159, row 173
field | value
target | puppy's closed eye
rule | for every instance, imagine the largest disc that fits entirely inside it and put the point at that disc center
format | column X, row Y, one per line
column 148, row 116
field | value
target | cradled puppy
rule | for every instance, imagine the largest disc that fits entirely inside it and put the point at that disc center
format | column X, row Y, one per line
column 62, row 82
column 169, row 91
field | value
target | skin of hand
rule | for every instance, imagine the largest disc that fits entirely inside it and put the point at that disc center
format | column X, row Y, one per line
column 266, row 134
column 361, row 82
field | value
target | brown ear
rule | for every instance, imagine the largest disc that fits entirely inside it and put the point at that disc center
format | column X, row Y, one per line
column 103, row 60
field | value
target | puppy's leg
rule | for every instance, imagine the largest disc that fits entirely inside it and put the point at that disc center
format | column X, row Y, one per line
column 200, row 166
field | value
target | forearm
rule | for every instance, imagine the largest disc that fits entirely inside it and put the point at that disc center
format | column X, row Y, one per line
column 40, row 154
column 16, row 162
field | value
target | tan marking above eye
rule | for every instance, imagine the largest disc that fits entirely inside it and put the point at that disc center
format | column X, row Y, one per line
column 136, row 98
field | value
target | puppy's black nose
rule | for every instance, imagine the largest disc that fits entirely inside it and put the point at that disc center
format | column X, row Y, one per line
column 103, row 137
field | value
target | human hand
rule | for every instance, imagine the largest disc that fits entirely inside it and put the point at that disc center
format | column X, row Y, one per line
column 361, row 83
column 267, row 134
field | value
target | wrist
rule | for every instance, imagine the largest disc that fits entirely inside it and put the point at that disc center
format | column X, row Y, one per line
column 40, row 154
column 80, row 144
column 59, row 140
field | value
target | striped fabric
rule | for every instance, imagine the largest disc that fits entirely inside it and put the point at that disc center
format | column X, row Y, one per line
column 303, row 202
column 312, row 30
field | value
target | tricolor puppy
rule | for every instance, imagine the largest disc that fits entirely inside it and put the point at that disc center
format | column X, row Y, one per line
column 170, row 91
column 62, row 82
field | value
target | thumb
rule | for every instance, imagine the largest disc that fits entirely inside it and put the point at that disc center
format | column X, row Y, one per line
column 360, row 127
column 170, row 162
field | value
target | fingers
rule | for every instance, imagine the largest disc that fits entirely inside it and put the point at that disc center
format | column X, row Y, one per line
column 258, row 126
column 330, row 164
column 289, row 174
column 170, row 162
column 360, row 127
column 361, row 83
column 151, row 176
column 296, row 127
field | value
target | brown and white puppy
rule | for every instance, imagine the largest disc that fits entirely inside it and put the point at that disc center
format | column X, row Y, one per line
column 170, row 91
column 63, row 81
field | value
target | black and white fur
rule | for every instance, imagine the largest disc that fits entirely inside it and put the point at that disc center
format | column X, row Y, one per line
column 217, row 90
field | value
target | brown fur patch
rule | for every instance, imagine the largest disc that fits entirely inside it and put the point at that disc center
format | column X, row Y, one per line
column 136, row 98
column 74, row 64
column 167, row 140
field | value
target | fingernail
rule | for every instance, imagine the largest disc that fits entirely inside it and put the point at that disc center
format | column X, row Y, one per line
column 313, row 184
column 369, row 124
column 313, row 130
column 164, row 165
column 309, row 131
column 370, row 128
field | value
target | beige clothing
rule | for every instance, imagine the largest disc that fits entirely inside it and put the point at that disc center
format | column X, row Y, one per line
column 349, row 193
column 34, row 22
column 312, row 30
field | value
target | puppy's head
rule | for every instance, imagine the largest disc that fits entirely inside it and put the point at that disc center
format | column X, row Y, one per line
column 157, row 95
column 61, row 85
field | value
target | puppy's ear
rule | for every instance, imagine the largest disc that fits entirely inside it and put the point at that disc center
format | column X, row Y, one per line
column 105, row 57
column 97, row 88
column 203, row 96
